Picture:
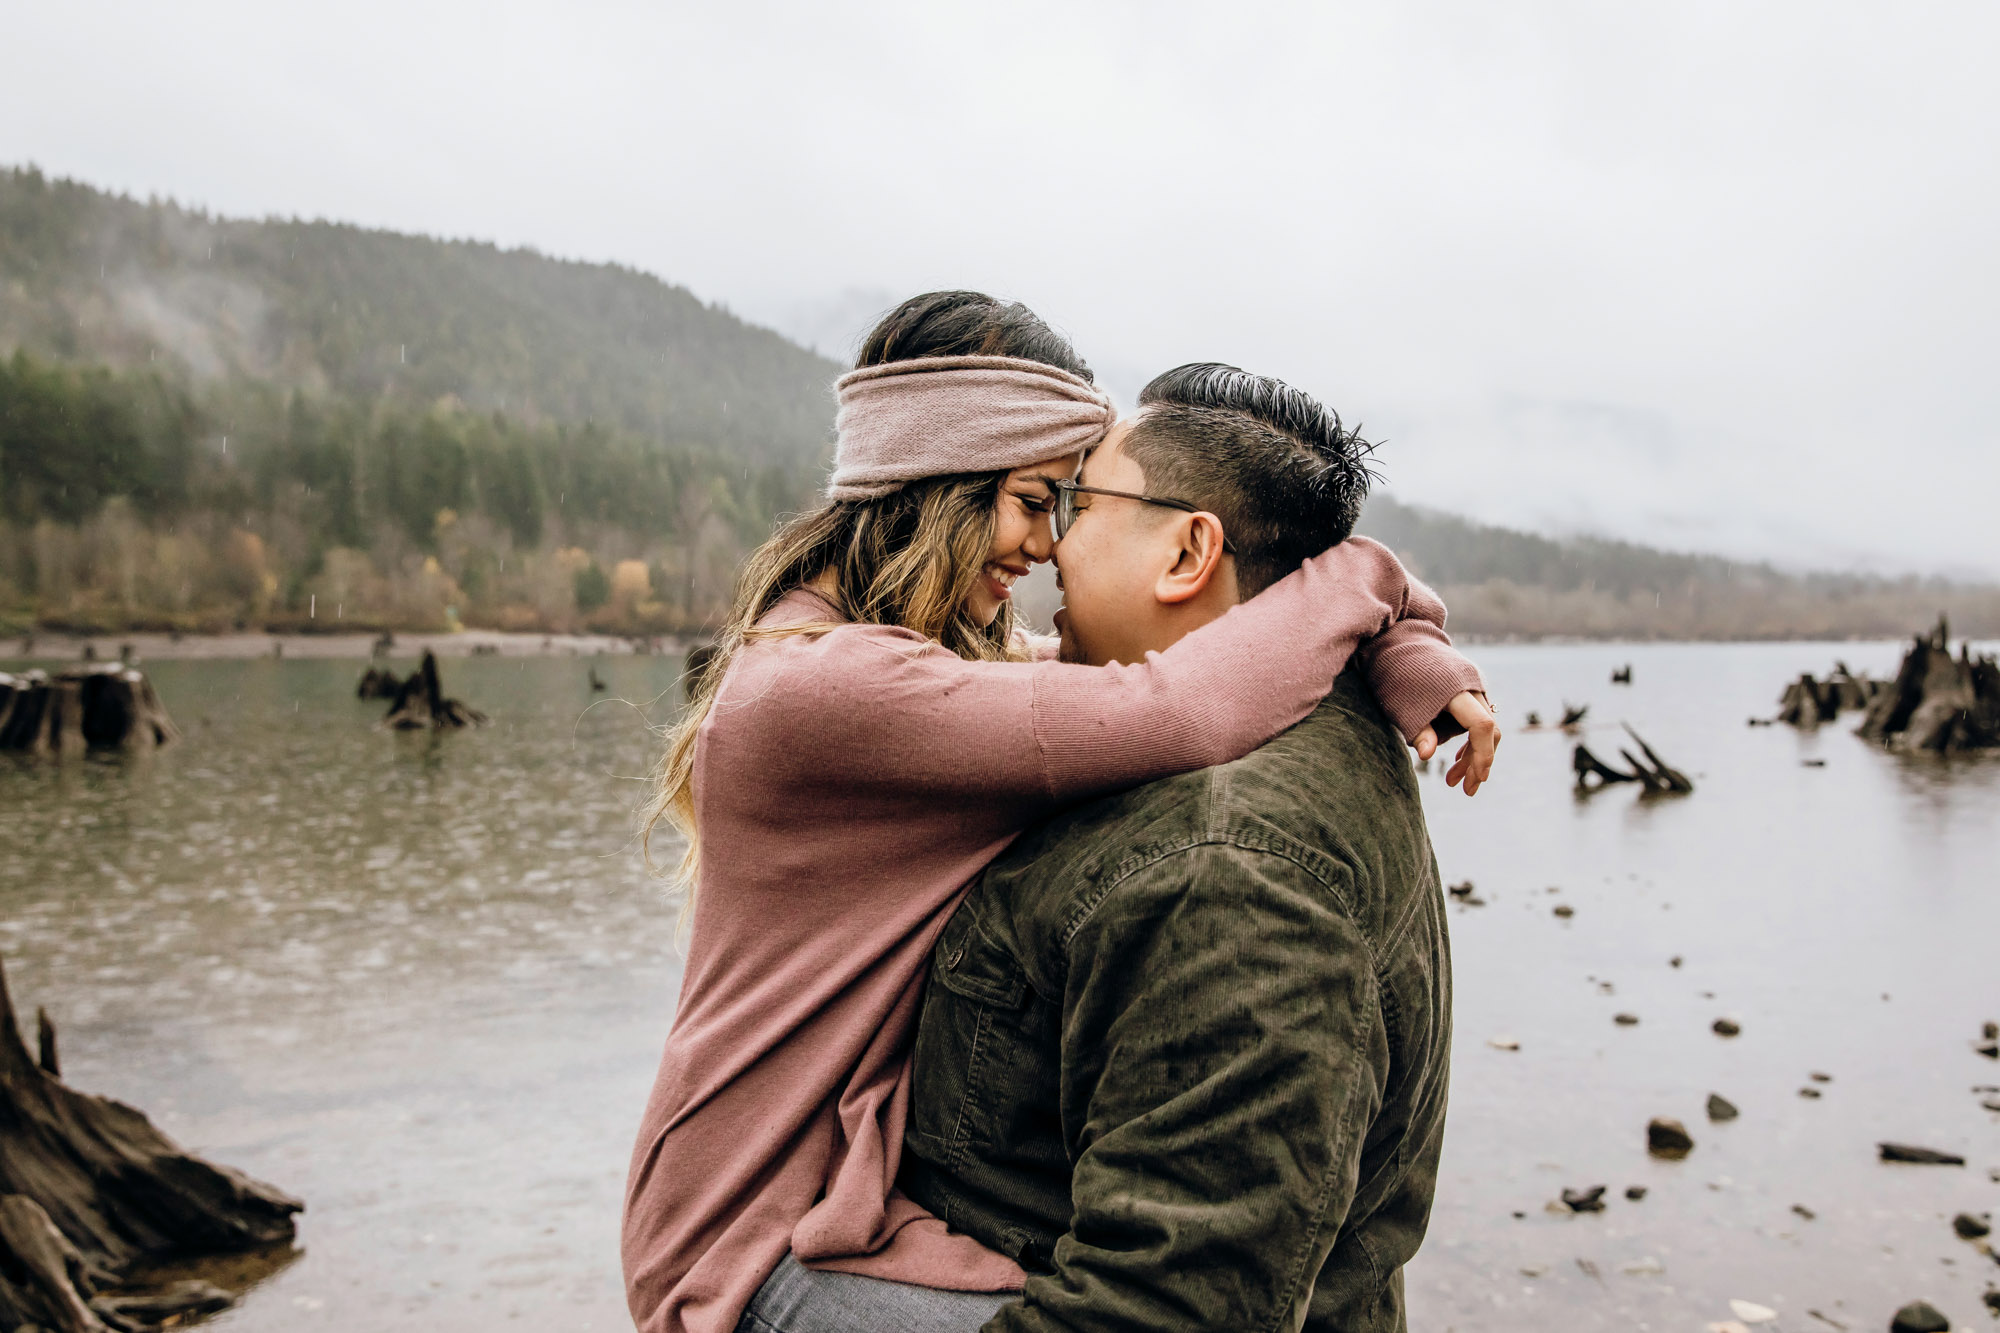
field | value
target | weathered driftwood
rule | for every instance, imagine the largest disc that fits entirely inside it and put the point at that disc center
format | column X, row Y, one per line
column 1938, row 702
column 110, row 706
column 90, row 1191
column 378, row 683
column 420, row 703
column 1588, row 766
column 1654, row 775
column 1809, row 701
column 1573, row 715
column 1622, row 675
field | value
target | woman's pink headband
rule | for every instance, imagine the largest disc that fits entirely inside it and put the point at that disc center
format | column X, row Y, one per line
column 939, row 415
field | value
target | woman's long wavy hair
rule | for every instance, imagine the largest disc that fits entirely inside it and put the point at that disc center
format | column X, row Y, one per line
column 910, row 558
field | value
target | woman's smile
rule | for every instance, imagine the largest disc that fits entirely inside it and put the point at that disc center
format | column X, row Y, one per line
column 999, row 579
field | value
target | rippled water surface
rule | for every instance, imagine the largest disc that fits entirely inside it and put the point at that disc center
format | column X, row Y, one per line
column 421, row 981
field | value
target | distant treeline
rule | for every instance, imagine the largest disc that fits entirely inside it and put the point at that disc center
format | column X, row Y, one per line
column 131, row 500
column 1504, row 584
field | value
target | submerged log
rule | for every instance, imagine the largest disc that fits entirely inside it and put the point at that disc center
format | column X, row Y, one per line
column 1622, row 675
column 1660, row 777
column 1588, row 766
column 1654, row 775
column 90, row 1191
column 1938, row 702
column 104, row 707
column 420, row 703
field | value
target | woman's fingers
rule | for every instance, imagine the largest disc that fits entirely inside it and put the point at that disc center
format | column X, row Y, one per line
column 1427, row 742
column 1482, row 740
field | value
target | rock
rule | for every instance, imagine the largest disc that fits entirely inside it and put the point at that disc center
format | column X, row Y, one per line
column 1919, row 1317
column 1969, row 1227
column 1720, row 1108
column 1991, row 1104
column 1668, row 1138
column 1990, row 1031
column 1810, row 1094
column 1585, row 1200
column 1635, row 1192
column 1564, row 910
column 1818, row 1077
column 1646, row 1267
column 1675, row 961
column 1626, row 1020
column 1726, row 1027
column 1463, row 890
column 1812, row 763
column 1752, row 1313
column 1904, row 1152
column 1991, row 1050
column 1805, row 1212
column 1992, row 1299
column 1504, row 1043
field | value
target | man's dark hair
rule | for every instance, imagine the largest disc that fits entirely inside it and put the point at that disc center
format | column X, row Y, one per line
column 1273, row 463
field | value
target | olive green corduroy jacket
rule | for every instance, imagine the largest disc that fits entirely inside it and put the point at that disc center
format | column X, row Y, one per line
column 1184, row 1050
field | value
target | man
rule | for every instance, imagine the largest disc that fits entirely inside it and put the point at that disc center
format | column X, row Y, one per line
column 1184, row 1050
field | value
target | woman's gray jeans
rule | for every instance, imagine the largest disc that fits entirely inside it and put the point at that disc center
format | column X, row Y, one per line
column 796, row 1299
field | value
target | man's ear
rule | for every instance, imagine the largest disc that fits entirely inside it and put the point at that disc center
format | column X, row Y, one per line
column 1198, row 561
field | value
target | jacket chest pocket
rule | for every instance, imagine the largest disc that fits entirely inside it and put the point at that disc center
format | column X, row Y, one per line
column 986, row 1048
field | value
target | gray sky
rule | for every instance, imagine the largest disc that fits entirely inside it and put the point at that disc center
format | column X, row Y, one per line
column 1712, row 275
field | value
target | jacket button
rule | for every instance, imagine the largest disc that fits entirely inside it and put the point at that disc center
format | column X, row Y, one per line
column 957, row 957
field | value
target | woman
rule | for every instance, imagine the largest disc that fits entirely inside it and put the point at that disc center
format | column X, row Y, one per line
column 870, row 734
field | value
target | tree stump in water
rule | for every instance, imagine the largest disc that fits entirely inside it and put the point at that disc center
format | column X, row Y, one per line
column 1938, row 702
column 108, row 707
column 378, row 683
column 420, row 703
column 89, row 1191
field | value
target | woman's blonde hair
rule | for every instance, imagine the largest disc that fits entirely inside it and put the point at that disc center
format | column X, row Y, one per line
column 909, row 558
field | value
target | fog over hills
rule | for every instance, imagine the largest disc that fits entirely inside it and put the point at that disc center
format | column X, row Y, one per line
column 410, row 415
column 93, row 277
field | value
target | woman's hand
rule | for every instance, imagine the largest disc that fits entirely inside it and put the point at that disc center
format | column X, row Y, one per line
column 1474, row 764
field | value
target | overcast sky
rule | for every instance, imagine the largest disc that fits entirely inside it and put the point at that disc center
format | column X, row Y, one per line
column 1718, row 276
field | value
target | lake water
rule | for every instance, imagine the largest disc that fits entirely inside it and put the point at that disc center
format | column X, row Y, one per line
column 422, row 981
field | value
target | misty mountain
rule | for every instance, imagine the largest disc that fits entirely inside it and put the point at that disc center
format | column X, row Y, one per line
column 97, row 278
column 422, row 424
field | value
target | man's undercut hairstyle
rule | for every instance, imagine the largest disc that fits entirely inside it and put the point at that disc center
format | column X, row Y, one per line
column 1273, row 463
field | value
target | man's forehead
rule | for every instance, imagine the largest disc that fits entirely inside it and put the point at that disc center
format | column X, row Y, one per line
column 1102, row 453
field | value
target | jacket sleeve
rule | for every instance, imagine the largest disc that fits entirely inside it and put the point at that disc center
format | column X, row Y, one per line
column 1224, row 1058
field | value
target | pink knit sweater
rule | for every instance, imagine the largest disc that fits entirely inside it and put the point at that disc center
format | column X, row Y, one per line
column 849, row 786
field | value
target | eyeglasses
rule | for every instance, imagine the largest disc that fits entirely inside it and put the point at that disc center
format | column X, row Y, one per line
column 1064, row 513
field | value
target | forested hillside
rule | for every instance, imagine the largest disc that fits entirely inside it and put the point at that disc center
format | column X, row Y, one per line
column 1500, row 583
column 209, row 423
column 90, row 277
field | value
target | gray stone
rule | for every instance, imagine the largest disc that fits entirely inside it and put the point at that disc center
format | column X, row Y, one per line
column 1668, row 1138
column 1919, row 1317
